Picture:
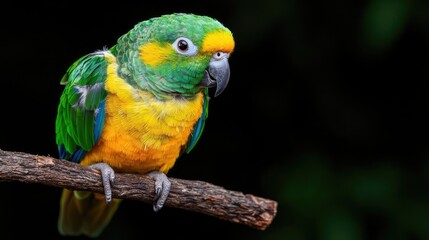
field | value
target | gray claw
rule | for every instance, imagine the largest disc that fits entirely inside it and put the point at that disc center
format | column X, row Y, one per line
column 162, row 189
column 107, row 177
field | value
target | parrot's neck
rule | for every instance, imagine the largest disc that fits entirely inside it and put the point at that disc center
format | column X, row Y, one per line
column 159, row 81
column 160, row 92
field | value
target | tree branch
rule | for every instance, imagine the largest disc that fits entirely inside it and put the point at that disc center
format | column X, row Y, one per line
column 197, row 196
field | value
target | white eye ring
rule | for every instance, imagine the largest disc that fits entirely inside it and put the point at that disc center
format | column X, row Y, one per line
column 185, row 46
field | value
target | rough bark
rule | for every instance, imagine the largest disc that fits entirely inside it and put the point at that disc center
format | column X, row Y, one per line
column 197, row 196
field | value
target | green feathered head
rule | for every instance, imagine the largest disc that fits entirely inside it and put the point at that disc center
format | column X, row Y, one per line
column 176, row 55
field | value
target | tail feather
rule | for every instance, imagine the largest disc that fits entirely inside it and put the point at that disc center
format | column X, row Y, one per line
column 84, row 213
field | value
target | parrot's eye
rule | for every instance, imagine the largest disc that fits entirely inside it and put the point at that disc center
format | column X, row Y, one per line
column 185, row 46
column 182, row 45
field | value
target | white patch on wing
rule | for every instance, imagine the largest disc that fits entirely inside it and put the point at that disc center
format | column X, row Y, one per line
column 83, row 93
column 105, row 50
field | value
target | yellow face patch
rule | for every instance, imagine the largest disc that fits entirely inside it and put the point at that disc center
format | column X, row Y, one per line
column 154, row 53
column 218, row 41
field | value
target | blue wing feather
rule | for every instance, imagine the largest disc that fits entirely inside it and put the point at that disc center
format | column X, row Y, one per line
column 99, row 119
column 199, row 126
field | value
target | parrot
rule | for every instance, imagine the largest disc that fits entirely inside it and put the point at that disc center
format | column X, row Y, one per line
column 136, row 107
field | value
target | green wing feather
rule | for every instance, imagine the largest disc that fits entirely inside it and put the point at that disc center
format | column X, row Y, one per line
column 81, row 110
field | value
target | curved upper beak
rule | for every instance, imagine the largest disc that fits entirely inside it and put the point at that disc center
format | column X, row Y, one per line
column 217, row 73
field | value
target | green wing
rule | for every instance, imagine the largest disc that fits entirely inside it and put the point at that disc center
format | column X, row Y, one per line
column 81, row 110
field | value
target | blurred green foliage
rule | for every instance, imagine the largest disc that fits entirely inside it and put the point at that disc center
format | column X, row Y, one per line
column 383, row 23
column 356, row 202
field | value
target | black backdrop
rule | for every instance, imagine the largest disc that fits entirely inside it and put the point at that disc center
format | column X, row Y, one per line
column 326, row 112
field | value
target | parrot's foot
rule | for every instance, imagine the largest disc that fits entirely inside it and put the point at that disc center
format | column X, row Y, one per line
column 162, row 189
column 107, row 177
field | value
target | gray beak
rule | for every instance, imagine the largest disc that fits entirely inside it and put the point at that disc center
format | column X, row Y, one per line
column 217, row 74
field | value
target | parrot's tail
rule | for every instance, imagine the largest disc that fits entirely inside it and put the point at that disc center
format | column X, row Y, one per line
column 85, row 213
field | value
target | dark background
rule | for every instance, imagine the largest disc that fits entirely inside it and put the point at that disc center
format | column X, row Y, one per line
column 326, row 113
